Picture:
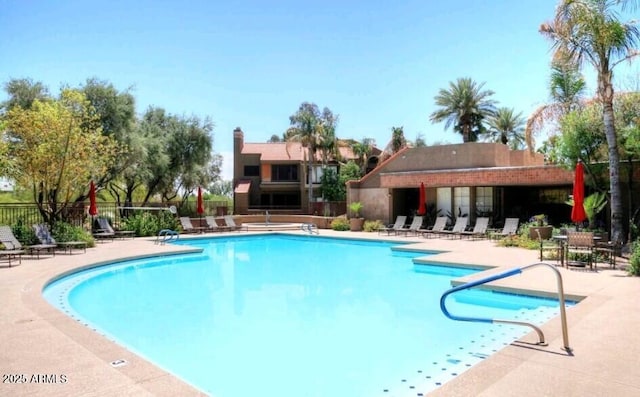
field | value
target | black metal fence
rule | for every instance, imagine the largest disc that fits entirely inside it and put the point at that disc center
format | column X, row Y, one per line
column 29, row 214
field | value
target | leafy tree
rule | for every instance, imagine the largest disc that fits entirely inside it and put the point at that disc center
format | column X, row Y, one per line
column 589, row 31
column 567, row 87
column 332, row 189
column 507, row 127
column 221, row 188
column 398, row 140
column 362, row 150
column 274, row 139
column 465, row 105
column 312, row 129
column 23, row 92
column 56, row 152
column 419, row 142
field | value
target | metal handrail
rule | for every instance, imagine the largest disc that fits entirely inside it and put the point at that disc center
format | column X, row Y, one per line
column 509, row 273
column 310, row 227
column 166, row 235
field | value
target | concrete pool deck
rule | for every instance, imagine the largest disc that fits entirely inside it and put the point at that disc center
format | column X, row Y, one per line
column 46, row 353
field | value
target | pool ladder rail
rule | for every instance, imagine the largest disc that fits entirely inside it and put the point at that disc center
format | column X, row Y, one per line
column 312, row 228
column 509, row 273
column 166, row 235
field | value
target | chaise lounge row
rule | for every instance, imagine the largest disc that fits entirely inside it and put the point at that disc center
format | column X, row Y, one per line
column 212, row 225
column 459, row 230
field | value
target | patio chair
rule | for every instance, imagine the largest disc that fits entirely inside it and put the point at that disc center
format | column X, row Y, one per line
column 188, row 227
column 553, row 246
column 510, row 228
column 103, row 231
column 479, row 229
column 105, row 227
column 44, row 236
column 438, row 227
column 458, row 228
column 231, row 224
column 606, row 248
column 10, row 242
column 9, row 253
column 580, row 244
column 416, row 224
column 213, row 226
column 393, row 228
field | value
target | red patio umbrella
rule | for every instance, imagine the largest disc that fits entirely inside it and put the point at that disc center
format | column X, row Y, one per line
column 93, row 208
column 200, row 208
column 423, row 197
column 577, row 212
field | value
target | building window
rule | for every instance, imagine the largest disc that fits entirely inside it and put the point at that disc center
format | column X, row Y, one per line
column 251, row 170
column 484, row 200
column 284, row 172
column 461, row 201
column 444, row 200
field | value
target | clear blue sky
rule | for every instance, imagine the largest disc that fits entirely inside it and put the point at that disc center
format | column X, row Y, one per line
column 377, row 64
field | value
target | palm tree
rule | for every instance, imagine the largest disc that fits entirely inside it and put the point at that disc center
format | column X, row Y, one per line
column 465, row 105
column 507, row 127
column 362, row 150
column 312, row 129
column 567, row 87
column 589, row 31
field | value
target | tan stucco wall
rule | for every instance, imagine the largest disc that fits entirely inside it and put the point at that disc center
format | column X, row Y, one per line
column 376, row 202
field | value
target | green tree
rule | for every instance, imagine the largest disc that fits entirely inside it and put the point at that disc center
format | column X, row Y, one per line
column 312, row 129
column 566, row 87
column 507, row 127
column 362, row 150
column 23, row 92
column 465, row 105
column 589, row 31
column 56, row 152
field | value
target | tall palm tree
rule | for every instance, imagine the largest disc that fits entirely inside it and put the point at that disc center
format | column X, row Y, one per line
column 567, row 88
column 507, row 127
column 362, row 150
column 464, row 105
column 312, row 129
column 589, row 31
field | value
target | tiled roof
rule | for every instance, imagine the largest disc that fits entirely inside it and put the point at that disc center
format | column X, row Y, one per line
column 243, row 186
column 285, row 151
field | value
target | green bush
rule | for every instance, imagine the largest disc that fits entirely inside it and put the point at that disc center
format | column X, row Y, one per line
column 24, row 233
column 372, row 226
column 340, row 224
column 64, row 232
column 147, row 224
column 634, row 260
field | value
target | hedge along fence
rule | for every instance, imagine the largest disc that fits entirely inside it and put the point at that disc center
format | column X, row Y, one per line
column 28, row 214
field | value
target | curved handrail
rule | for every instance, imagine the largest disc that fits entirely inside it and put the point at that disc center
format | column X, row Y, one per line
column 167, row 235
column 509, row 273
column 310, row 227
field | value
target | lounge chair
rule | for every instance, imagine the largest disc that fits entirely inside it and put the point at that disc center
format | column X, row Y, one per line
column 45, row 237
column 393, row 228
column 510, row 228
column 479, row 229
column 9, row 240
column 104, row 230
column 416, row 225
column 188, row 227
column 213, row 226
column 458, row 228
column 438, row 227
column 231, row 224
column 105, row 227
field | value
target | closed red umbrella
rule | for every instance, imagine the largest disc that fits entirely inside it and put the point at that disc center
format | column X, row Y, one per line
column 577, row 212
column 423, row 197
column 93, row 208
column 200, row 208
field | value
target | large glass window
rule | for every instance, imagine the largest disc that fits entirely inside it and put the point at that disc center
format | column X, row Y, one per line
column 284, row 172
column 461, row 201
column 444, row 200
column 484, row 199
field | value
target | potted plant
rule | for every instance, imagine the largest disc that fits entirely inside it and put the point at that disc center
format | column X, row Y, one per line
column 356, row 222
column 540, row 228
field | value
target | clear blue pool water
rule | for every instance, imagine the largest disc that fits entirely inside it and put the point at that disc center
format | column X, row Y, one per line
column 285, row 316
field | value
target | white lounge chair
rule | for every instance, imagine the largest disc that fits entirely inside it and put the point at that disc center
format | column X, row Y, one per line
column 399, row 225
column 438, row 227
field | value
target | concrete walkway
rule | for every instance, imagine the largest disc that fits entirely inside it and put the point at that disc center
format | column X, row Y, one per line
column 46, row 353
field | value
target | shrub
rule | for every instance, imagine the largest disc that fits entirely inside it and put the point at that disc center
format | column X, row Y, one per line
column 372, row 226
column 340, row 224
column 634, row 259
column 64, row 232
column 24, row 233
column 147, row 224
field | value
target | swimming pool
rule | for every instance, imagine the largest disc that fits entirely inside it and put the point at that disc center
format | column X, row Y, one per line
column 281, row 315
